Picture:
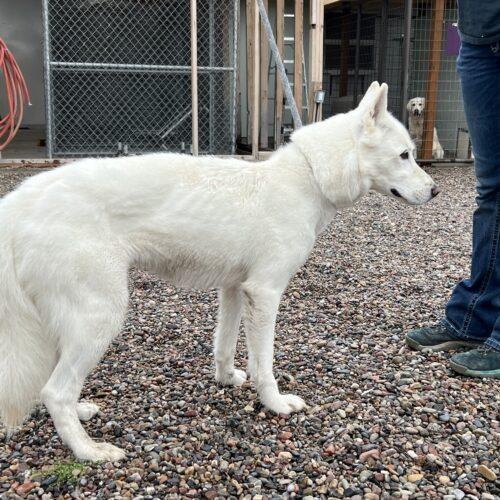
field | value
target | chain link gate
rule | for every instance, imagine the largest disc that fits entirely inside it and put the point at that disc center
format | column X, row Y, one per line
column 118, row 76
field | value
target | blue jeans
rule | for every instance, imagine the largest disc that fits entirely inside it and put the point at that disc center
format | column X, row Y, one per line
column 473, row 311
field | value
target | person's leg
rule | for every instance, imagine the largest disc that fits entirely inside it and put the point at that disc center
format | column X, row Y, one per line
column 474, row 307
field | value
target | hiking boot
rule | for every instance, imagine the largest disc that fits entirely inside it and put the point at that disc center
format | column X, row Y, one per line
column 481, row 362
column 436, row 338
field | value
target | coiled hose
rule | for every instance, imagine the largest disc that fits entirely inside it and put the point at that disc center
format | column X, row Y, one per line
column 17, row 96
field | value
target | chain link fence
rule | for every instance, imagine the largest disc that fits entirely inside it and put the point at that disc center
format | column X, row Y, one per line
column 450, row 123
column 118, row 76
column 365, row 41
column 362, row 44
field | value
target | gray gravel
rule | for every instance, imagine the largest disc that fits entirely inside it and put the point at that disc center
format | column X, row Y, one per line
column 384, row 422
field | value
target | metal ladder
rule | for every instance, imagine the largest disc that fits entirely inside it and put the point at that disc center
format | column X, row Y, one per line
column 290, row 42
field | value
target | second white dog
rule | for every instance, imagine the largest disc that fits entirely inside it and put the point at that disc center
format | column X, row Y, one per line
column 69, row 236
column 416, row 107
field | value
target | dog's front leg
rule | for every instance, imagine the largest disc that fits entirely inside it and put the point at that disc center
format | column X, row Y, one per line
column 226, row 336
column 260, row 309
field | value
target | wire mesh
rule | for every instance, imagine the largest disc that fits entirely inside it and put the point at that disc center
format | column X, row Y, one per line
column 378, row 41
column 118, row 73
column 351, row 53
column 450, row 123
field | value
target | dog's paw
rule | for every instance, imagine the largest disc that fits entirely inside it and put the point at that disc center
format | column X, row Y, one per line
column 86, row 411
column 286, row 403
column 237, row 378
column 101, row 452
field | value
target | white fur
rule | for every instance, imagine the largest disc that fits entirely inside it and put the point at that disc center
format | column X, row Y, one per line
column 415, row 109
column 69, row 236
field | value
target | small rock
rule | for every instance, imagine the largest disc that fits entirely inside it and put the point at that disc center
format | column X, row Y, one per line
column 486, row 473
column 284, row 456
column 285, row 436
column 232, row 441
column 365, row 475
column 370, row 454
column 487, row 496
column 413, row 478
column 25, row 488
column 135, row 477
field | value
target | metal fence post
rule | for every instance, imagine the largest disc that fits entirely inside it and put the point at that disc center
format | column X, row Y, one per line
column 356, row 56
column 382, row 41
column 406, row 60
column 47, row 79
column 234, row 115
column 194, row 77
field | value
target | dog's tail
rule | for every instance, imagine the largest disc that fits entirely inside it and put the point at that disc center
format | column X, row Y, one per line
column 27, row 356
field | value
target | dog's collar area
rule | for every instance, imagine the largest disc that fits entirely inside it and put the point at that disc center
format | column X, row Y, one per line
column 395, row 192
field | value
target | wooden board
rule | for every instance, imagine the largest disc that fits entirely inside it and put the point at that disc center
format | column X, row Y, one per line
column 250, row 17
column 315, row 53
column 264, row 86
column 433, row 77
column 298, row 48
column 256, row 82
column 278, row 106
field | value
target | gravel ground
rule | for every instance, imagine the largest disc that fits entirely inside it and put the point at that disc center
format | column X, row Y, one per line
column 383, row 422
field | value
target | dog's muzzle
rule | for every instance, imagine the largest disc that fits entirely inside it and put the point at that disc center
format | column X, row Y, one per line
column 417, row 112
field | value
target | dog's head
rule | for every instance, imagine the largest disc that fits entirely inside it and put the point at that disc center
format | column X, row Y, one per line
column 365, row 149
column 416, row 106
column 386, row 150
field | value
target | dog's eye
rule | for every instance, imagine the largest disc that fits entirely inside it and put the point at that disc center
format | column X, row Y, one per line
column 404, row 155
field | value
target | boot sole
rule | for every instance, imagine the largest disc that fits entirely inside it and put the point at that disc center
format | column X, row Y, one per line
column 463, row 370
column 451, row 345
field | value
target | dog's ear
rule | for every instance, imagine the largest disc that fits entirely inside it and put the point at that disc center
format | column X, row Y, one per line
column 423, row 103
column 376, row 109
column 369, row 95
column 408, row 106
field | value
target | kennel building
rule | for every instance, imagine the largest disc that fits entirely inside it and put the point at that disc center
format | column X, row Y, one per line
column 111, row 77
column 413, row 47
column 118, row 76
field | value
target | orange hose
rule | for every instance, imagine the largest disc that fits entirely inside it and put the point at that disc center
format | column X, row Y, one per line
column 17, row 96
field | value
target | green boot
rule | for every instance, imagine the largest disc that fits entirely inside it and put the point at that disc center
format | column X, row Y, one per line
column 481, row 362
column 437, row 338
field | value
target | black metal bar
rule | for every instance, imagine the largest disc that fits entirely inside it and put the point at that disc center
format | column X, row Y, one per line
column 356, row 57
column 452, row 161
column 382, row 41
column 406, row 60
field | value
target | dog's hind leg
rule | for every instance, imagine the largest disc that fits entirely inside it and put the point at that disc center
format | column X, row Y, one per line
column 226, row 336
column 260, row 309
column 86, row 327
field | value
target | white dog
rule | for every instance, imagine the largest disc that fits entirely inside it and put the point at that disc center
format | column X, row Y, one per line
column 69, row 236
column 415, row 109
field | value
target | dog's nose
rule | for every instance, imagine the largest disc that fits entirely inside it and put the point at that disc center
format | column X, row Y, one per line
column 435, row 191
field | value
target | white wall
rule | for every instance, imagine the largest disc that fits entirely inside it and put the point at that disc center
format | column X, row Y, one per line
column 21, row 30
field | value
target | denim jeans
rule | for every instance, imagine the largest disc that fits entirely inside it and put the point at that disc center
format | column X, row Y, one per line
column 473, row 310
